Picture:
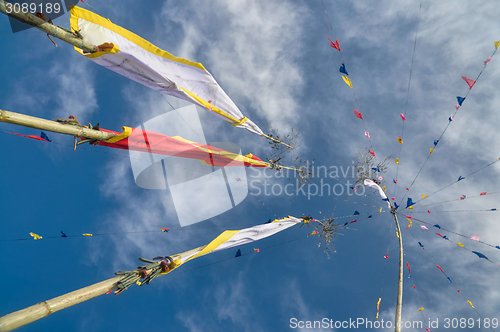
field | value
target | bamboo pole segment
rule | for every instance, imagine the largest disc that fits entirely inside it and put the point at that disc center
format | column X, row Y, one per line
column 399, row 302
column 43, row 309
column 49, row 28
column 49, row 125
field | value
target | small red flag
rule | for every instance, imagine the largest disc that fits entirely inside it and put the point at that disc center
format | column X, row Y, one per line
column 483, row 193
column 358, row 114
column 334, row 45
column 469, row 82
column 372, row 153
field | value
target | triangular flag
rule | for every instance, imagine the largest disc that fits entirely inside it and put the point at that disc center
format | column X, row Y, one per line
column 421, row 245
column 63, row 235
column 45, row 137
column 400, row 140
column 450, row 118
column 411, row 208
column 396, row 161
column 347, row 81
column 483, row 193
column 497, row 43
column 358, row 114
column 436, row 142
column 487, row 60
column 480, row 255
column 353, row 221
column 459, row 244
column 469, row 82
column 342, row 69
column 475, row 237
column 334, row 45
column 164, row 230
column 367, row 134
column 421, row 309
column 424, row 197
column 409, row 202
column 471, row 304
column 256, row 250
column 35, row 236
column 238, row 253
column 371, row 152
column 437, row 226
column 460, row 100
column 386, row 256
column 460, row 178
column 403, row 117
column 431, row 151
column 356, row 213
column 379, row 210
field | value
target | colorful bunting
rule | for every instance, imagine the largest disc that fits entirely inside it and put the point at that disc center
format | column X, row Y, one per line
column 313, row 233
column 402, row 117
column 35, row 236
column 256, row 250
column 457, row 107
column 379, row 210
column 449, row 280
column 460, row 100
column 342, row 69
column 463, row 197
column 386, row 256
column 358, row 114
column 470, row 82
column 480, row 255
column 400, row 140
column 396, row 206
column 238, row 253
column 347, row 81
column 376, row 169
column 439, row 267
column 394, row 180
column 428, row 211
column 378, row 306
column 487, row 60
column 475, row 237
column 411, row 208
column 409, row 223
column 334, row 45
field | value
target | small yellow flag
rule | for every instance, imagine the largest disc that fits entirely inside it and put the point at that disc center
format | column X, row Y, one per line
column 431, row 151
column 459, row 244
column 383, row 188
column 306, row 221
column 378, row 306
column 471, row 304
column 423, row 196
column 400, row 140
column 497, row 43
column 87, row 234
column 397, row 233
column 347, row 81
column 409, row 221
column 379, row 210
column 421, row 309
column 397, row 160
column 35, row 236
column 410, row 207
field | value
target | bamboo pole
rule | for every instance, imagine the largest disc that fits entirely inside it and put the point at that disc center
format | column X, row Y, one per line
column 43, row 309
column 49, row 125
column 399, row 302
column 48, row 28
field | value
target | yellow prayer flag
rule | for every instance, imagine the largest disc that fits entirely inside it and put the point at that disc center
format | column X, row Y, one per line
column 423, row 196
column 35, row 236
column 400, row 140
column 378, row 306
column 497, row 43
column 431, row 151
column 397, row 160
column 347, row 81
column 409, row 221
column 470, row 304
column 410, row 207
column 383, row 188
column 421, row 309
column 87, row 234
column 459, row 244
column 379, row 210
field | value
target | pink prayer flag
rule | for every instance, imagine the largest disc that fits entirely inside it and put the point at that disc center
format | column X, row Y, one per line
column 393, row 198
column 469, row 82
column 483, row 193
column 256, row 250
column 423, row 227
column 386, row 256
column 367, row 134
column 403, row 117
column 457, row 107
column 380, row 178
column 487, row 60
column 409, row 217
column 358, row 114
column 334, row 45
column 372, row 153
column 427, row 329
column 475, row 237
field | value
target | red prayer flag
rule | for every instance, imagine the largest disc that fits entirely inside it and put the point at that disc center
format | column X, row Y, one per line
column 469, row 82
column 358, row 114
column 29, row 136
column 372, row 153
column 483, row 193
column 334, row 45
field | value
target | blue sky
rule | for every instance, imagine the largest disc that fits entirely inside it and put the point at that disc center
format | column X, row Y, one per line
column 273, row 59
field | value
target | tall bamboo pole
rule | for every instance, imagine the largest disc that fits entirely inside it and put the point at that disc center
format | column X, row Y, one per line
column 49, row 125
column 43, row 309
column 47, row 27
column 399, row 302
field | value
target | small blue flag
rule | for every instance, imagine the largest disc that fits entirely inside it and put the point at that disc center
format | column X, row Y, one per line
column 63, row 235
column 396, row 205
column 437, row 226
column 421, row 244
column 342, row 69
column 436, row 142
column 480, row 255
column 460, row 100
column 460, row 178
column 45, row 137
column 238, row 253
column 409, row 202
column 356, row 213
